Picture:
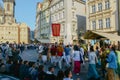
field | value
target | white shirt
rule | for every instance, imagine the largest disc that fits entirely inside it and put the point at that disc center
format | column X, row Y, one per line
column 92, row 58
column 82, row 50
column 40, row 48
column 76, row 56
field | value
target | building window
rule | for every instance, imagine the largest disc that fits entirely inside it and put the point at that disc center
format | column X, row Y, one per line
column 73, row 2
column 63, row 14
column 59, row 16
column 9, row 33
column 8, row 7
column 52, row 18
column 93, row 9
column 107, row 5
column 94, row 25
column 99, row 6
column 73, row 29
column 62, row 27
column 51, row 9
column 62, row 3
column 55, row 17
column 73, row 13
column 58, row 6
column 100, row 24
column 107, row 22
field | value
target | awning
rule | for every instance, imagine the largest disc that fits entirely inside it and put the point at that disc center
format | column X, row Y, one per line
column 92, row 35
column 110, row 36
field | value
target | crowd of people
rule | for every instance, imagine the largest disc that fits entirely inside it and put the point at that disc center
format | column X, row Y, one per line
column 102, row 61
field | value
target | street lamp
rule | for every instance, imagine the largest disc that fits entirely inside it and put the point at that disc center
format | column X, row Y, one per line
column 118, row 17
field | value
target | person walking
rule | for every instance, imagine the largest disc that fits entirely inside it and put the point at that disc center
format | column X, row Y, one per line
column 59, row 55
column 92, row 72
column 67, row 55
column 112, row 64
column 76, row 58
column 53, row 54
column 44, row 54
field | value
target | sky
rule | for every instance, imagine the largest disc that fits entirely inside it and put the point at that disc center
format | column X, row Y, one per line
column 25, row 11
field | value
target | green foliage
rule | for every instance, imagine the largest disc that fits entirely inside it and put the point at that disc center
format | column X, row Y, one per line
column 36, row 41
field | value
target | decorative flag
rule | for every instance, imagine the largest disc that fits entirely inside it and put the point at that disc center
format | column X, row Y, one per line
column 56, row 29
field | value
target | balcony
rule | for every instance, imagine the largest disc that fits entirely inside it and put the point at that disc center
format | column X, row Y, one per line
column 91, row 1
column 107, row 10
column 92, row 14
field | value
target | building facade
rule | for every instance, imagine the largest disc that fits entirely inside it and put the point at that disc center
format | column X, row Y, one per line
column 10, row 30
column 102, row 15
column 37, row 29
column 70, row 14
column 32, row 35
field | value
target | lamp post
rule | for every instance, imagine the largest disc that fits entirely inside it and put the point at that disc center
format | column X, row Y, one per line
column 118, row 17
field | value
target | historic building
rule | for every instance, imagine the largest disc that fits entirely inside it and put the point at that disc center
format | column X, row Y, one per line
column 70, row 14
column 37, row 29
column 102, row 16
column 10, row 30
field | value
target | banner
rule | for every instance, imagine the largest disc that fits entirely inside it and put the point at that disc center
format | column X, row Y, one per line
column 56, row 29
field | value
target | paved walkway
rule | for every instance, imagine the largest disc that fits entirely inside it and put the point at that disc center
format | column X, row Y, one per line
column 29, row 55
column 32, row 55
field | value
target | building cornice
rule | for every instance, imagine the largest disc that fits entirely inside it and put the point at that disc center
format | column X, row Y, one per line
column 81, row 1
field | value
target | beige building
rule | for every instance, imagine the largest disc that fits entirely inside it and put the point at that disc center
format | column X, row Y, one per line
column 70, row 14
column 102, row 16
column 10, row 30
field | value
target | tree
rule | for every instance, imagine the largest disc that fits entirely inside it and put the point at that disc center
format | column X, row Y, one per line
column 36, row 41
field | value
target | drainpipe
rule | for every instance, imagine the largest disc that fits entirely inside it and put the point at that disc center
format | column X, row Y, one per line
column 118, row 17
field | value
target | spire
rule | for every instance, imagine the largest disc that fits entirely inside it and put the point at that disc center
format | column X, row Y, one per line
column 9, row 1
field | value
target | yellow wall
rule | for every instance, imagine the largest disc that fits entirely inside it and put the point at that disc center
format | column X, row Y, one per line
column 24, row 33
column 13, row 33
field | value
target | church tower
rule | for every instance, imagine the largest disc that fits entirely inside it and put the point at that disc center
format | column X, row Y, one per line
column 9, row 10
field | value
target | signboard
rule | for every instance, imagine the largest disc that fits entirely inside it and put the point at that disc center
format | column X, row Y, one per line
column 56, row 29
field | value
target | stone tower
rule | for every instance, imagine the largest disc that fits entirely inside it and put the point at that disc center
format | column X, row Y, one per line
column 9, row 11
